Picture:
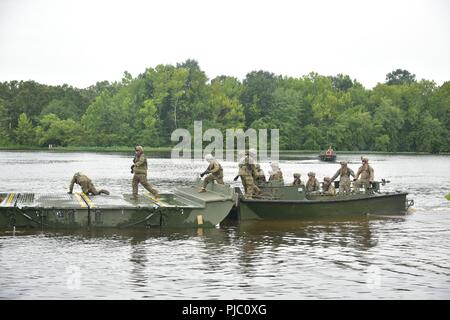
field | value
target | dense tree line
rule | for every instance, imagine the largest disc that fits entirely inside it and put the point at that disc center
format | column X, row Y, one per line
column 312, row 112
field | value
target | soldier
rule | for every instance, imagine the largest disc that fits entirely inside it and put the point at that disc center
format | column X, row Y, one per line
column 328, row 188
column 297, row 181
column 345, row 173
column 367, row 174
column 260, row 176
column 312, row 185
column 87, row 187
column 214, row 171
column 276, row 174
column 247, row 172
column 329, row 151
column 139, row 168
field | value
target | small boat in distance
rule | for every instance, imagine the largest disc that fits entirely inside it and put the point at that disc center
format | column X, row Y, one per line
column 328, row 155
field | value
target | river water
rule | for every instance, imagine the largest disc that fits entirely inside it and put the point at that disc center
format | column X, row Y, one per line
column 396, row 257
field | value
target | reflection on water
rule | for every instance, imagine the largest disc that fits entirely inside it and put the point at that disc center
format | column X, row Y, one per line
column 403, row 257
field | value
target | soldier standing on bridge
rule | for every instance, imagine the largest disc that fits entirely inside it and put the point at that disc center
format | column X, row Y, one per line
column 139, row 168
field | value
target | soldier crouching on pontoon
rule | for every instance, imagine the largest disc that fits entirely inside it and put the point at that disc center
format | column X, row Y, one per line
column 87, row 187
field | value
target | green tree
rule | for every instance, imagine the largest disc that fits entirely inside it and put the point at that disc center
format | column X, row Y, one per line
column 63, row 109
column 4, row 125
column 355, row 129
column 388, row 121
column 225, row 106
column 149, row 117
column 400, row 76
column 57, row 132
column 25, row 133
column 257, row 95
column 431, row 136
column 341, row 82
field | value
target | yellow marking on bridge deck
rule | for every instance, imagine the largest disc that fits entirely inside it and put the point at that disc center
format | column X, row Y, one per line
column 80, row 201
column 159, row 202
column 88, row 200
column 10, row 199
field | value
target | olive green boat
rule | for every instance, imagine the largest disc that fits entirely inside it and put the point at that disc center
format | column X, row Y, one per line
column 183, row 208
column 292, row 202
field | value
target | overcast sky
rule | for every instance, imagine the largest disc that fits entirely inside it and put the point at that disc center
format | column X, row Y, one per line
column 84, row 41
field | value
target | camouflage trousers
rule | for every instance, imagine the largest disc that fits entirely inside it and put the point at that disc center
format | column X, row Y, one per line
column 344, row 185
column 362, row 183
column 250, row 187
column 142, row 179
column 90, row 189
column 210, row 178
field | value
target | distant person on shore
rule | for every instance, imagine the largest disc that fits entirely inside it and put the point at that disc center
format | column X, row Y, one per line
column 139, row 168
column 367, row 175
column 344, row 172
column 87, row 187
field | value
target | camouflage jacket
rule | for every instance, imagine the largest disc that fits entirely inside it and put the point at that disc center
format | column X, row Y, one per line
column 83, row 181
column 216, row 169
column 140, row 165
column 344, row 173
column 276, row 176
column 247, row 167
column 366, row 172
column 312, row 185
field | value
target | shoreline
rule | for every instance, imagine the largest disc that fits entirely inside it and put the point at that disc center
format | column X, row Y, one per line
column 126, row 149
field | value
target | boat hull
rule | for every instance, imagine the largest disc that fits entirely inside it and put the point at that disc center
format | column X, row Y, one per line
column 345, row 206
column 329, row 158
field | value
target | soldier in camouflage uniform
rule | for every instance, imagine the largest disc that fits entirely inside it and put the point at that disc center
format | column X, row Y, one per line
column 297, row 181
column 247, row 172
column 276, row 174
column 260, row 176
column 367, row 175
column 139, row 168
column 344, row 182
column 328, row 188
column 312, row 185
column 214, row 171
column 87, row 187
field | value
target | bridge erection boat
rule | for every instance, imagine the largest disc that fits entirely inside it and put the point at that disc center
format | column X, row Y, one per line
column 292, row 202
column 183, row 208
